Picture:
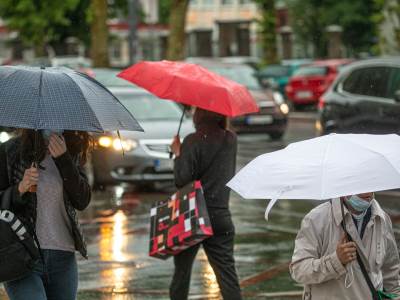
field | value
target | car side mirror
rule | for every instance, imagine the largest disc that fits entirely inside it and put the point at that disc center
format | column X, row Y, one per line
column 397, row 96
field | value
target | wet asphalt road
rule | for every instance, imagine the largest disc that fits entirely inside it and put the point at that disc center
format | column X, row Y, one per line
column 117, row 230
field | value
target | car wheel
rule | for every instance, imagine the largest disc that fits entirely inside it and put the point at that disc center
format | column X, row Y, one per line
column 276, row 136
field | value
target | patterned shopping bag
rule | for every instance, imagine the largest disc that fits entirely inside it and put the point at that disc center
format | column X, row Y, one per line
column 179, row 222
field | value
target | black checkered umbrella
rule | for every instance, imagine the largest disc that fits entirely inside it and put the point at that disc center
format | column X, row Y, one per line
column 59, row 99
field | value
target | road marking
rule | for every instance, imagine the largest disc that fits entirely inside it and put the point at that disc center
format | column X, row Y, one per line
column 264, row 276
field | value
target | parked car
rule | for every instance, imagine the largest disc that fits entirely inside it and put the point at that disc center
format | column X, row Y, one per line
column 272, row 117
column 364, row 99
column 146, row 155
column 278, row 75
column 310, row 82
column 251, row 61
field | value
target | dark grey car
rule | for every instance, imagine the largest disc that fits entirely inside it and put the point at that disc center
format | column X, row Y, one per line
column 365, row 98
column 146, row 155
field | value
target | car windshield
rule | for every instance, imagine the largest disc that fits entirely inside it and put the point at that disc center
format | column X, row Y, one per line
column 243, row 75
column 146, row 107
column 311, row 71
column 276, row 71
column 109, row 78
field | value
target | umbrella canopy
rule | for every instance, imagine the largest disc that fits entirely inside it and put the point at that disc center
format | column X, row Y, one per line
column 59, row 98
column 323, row 168
column 191, row 84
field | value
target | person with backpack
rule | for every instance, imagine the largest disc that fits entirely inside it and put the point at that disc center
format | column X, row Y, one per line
column 208, row 155
column 42, row 182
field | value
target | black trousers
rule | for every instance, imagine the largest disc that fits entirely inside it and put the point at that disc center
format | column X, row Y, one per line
column 219, row 251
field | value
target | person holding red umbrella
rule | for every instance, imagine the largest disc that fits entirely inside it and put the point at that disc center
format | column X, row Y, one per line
column 208, row 155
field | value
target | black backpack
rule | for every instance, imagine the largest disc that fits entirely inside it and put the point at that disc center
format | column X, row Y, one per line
column 18, row 250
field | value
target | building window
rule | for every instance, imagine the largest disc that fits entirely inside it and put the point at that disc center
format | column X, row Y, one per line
column 227, row 2
column 115, row 51
column 245, row 1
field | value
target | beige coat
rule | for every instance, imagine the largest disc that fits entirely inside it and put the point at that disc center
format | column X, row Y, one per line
column 316, row 265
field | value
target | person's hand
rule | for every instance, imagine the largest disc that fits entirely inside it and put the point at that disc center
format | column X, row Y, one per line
column 346, row 251
column 176, row 146
column 31, row 177
column 57, row 146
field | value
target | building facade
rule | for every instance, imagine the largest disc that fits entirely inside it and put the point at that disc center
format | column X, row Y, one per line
column 222, row 28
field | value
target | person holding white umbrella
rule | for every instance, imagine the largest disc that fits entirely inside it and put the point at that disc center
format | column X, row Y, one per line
column 362, row 264
column 325, row 261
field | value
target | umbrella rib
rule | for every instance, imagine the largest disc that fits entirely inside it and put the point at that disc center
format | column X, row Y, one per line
column 376, row 152
column 39, row 100
column 107, row 90
column 323, row 171
column 80, row 90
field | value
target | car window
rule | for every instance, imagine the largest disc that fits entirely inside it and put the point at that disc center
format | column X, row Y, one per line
column 311, row 71
column 243, row 75
column 371, row 81
column 394, row 84
column 146, row 107
column 109, row 78
column 276, row 71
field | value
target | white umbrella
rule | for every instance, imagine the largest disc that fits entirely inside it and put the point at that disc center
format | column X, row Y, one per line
column 323, row 168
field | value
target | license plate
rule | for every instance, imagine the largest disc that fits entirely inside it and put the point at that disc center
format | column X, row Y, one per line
column 259, row 120
column 163, row 165
column 304, row 94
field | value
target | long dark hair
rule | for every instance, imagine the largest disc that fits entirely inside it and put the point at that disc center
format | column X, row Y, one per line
column 78, row 144
column 203, row 117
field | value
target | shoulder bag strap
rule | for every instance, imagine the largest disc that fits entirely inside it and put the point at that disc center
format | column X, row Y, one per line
column 374, row 293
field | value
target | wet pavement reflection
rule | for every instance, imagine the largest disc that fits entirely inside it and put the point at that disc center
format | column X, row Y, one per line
column 117, row 229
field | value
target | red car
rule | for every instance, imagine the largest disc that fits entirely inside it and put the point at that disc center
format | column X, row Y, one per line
column 310, row 82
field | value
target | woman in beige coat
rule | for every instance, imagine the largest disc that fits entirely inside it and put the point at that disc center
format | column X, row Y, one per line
column 326, row 264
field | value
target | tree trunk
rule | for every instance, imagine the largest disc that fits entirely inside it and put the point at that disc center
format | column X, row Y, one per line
column 99, row 34
column 177, row 35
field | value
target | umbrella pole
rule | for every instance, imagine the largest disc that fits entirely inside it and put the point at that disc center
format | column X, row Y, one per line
column 343, row 218
column 179, row 128
column 180, row 122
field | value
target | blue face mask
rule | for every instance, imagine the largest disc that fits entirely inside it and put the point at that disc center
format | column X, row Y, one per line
column 47, row 132
column 358, row 204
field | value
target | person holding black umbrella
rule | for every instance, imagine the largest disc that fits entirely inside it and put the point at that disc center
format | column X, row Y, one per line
column 45, row 198
column 208, row 155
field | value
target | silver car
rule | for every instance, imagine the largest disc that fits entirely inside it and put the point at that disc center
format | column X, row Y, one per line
column 138, row 158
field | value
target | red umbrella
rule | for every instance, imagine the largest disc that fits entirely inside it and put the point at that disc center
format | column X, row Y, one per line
column 193, row 85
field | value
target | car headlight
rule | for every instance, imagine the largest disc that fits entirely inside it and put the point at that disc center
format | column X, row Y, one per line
column 278, row 98
column 126, row 145
column 284, row 108
column 105, row 141
column 4, row 137
column 117, row 144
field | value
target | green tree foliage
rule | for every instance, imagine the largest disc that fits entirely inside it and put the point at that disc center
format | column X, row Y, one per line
column 311, row 17
column 37, row 20
column 267, row 25
column 164, row 11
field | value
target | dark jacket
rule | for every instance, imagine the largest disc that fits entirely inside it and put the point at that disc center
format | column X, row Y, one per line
column 208, row 155
column 76, row 188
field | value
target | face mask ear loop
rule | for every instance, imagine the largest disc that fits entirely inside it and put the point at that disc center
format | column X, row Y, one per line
column 349, row 279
